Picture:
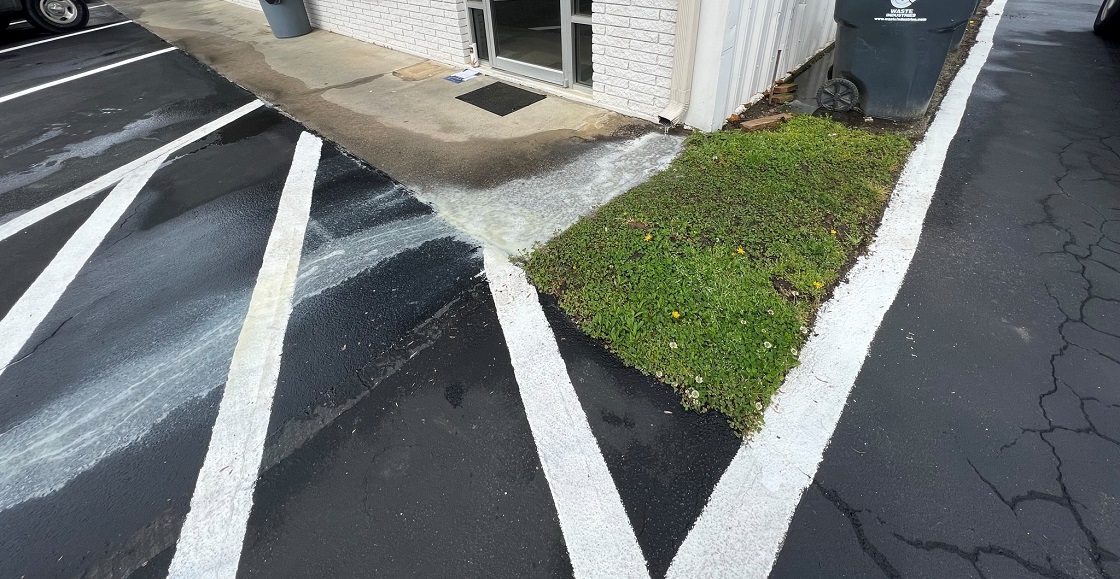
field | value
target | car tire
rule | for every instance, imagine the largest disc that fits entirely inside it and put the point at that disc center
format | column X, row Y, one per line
column 1108, row 19
column 57, row 15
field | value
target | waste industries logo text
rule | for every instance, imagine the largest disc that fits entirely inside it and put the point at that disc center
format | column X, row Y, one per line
column 902, row 12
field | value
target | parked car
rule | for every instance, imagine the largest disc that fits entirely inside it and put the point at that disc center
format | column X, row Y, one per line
column 48, row 15
column 1108, row 19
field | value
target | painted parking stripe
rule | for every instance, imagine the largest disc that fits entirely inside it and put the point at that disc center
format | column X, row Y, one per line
column 54, row 83
column 35, row 303
column 29, row 218
column 54, row 38
column 212, row 536
column 597, row 531
column 741, row 529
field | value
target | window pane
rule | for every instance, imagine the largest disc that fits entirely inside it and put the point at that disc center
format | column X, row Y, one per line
column 581, row 7
column 584, row 71
column 528, row 31
column 478, row 29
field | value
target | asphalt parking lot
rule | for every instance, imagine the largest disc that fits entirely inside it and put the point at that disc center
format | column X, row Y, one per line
column 145, row 204
column 230, row 348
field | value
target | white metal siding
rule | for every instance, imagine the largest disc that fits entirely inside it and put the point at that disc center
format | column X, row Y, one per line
column 798, row 28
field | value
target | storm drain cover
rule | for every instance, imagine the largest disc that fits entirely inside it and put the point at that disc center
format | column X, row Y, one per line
column 500, row 98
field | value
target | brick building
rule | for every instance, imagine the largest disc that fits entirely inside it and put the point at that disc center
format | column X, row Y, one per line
column 680, row 61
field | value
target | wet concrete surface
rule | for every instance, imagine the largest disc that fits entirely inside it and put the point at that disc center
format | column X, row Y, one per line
column 416, row 131
column 980, row 438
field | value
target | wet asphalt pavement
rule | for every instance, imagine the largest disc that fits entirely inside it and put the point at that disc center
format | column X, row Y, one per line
column 398, row 443
column 982, row 438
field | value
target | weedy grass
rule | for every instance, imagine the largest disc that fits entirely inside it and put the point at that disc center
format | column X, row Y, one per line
column 708, row 275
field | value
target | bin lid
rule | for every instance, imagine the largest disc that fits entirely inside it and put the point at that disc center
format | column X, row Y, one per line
column 923, row 14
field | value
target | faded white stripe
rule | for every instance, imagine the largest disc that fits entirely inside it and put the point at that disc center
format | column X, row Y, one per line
column 740, row 531
column 212, row 536
column 35, row 303
column 25, row 220
column 54, row 83
column 60, row 37
column 597, row 531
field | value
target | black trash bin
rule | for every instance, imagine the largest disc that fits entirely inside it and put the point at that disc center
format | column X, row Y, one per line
column 287, row 18
column 958, row 36
column 889, row 54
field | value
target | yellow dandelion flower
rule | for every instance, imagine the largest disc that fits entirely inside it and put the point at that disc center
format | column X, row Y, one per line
column 818, row 284
column 833, row 231
column 740, row 251
column 649, row 236
column 676, row 314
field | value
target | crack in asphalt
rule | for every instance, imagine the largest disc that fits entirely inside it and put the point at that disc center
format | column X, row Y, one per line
column 1084, row 230
column 41, row 342
column 972, row 556
column 1082, row 254
column 865, row 543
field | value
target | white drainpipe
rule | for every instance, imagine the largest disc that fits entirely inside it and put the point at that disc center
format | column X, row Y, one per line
column 684, row 54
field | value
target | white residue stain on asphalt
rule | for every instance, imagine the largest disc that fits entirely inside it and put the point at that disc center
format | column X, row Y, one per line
column 337, row 260
column 119, row 405
column 91, row 147
column 517, row 214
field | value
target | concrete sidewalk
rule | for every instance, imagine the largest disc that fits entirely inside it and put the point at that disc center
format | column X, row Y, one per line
column 345, row 89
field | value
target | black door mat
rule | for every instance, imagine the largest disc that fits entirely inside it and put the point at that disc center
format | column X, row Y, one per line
column 500, row 98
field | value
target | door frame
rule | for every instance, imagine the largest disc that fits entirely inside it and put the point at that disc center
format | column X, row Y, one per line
column 564, row 77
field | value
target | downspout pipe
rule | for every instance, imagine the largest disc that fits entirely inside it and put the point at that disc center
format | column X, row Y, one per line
column 684, row 57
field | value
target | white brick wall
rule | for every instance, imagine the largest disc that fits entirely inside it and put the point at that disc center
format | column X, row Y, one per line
column 435, row 29
column 632, row 41
column 632, row 46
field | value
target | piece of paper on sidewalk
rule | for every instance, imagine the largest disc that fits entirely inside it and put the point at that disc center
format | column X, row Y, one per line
column 465, row 75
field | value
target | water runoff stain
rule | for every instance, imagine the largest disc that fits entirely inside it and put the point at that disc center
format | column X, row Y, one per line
column 92, row 147
column 121, row 404
column 519, row 213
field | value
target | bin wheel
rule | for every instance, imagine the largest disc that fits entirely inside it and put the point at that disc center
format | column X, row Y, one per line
column 838, row 95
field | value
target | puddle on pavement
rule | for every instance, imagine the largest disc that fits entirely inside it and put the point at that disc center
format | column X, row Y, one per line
column 517, row 214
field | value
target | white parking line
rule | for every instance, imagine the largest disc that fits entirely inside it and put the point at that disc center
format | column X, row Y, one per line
column 35, row 303
column 91, row 7
column 25, row 220
column 597, row 531
column 54, row 38
column 53, row 83
column 212, row 536
column 740, row 532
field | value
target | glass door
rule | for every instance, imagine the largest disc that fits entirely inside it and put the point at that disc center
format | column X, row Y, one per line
column 549, row 40
column 529, row 37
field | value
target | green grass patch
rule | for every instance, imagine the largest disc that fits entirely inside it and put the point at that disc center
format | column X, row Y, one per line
column 708, row 275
